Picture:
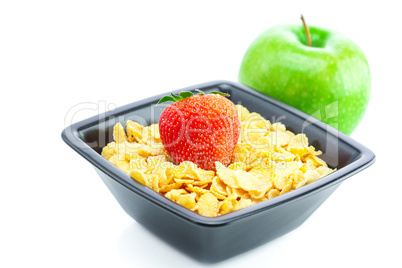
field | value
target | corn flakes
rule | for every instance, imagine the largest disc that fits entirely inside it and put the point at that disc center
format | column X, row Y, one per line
column 268, row 161
column 208, row 205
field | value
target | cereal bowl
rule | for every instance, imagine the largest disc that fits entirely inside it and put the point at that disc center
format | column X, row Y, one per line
column 213, row 239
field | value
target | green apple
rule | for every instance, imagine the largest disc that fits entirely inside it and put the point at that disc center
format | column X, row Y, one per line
column 329, row 80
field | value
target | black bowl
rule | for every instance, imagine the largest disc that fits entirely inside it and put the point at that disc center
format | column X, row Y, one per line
column 218, row 238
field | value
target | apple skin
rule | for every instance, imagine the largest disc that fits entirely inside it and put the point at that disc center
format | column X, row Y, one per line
column 329, row 80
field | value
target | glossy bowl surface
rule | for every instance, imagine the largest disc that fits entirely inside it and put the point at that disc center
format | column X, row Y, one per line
column 215, row 239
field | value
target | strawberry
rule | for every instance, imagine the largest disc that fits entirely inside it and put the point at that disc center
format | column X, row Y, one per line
column 199, row 128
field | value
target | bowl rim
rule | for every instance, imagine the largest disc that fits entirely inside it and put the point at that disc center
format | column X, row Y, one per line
column 71, row 137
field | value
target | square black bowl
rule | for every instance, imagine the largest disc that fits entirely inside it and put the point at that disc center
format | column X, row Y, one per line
column 215, row 239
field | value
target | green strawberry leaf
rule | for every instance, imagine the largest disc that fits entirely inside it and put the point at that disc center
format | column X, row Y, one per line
column 219, row 93
column 177, row 98
column 185, row 94
column 165, row 99
column 200, row 92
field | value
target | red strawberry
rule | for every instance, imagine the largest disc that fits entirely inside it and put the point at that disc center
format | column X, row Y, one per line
column 200, row 128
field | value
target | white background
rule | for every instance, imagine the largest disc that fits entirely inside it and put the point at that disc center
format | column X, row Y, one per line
column 54, row 55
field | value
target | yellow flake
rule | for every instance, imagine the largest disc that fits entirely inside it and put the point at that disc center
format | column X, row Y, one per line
column 317, row 162
column 248, row 182
column 203, row 175
column 195, row 189
column 252, row 135
column 279, row 180
column 301, row 183
column 134, row 131
column 154, row 131
column 273, row 193
column 237, row 166
column 311, row 176
column 278, row 127
column 287, row 187
column 324, row 171
column 242, row 112
column 169, row 187
column 241, row 193
column 243, row 203
column 139, row 176
column 279, row 138
column 153, row 181
column 109, row 150
column 297, row 177
column 138, row 163
column 218, row 195
column 227, row 175
column 227, row 205
column 218, row 187
column 150, row 135
column 187, row 201
column 123, row 165
column 184, row 181
column 202, row 184
column 299, row 145
column 240, row 154
column 119, row 135
column 208, row 205
column 174, row 194
column 154, row 163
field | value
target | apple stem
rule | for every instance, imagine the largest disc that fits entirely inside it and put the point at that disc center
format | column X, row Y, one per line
column 307, row 31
